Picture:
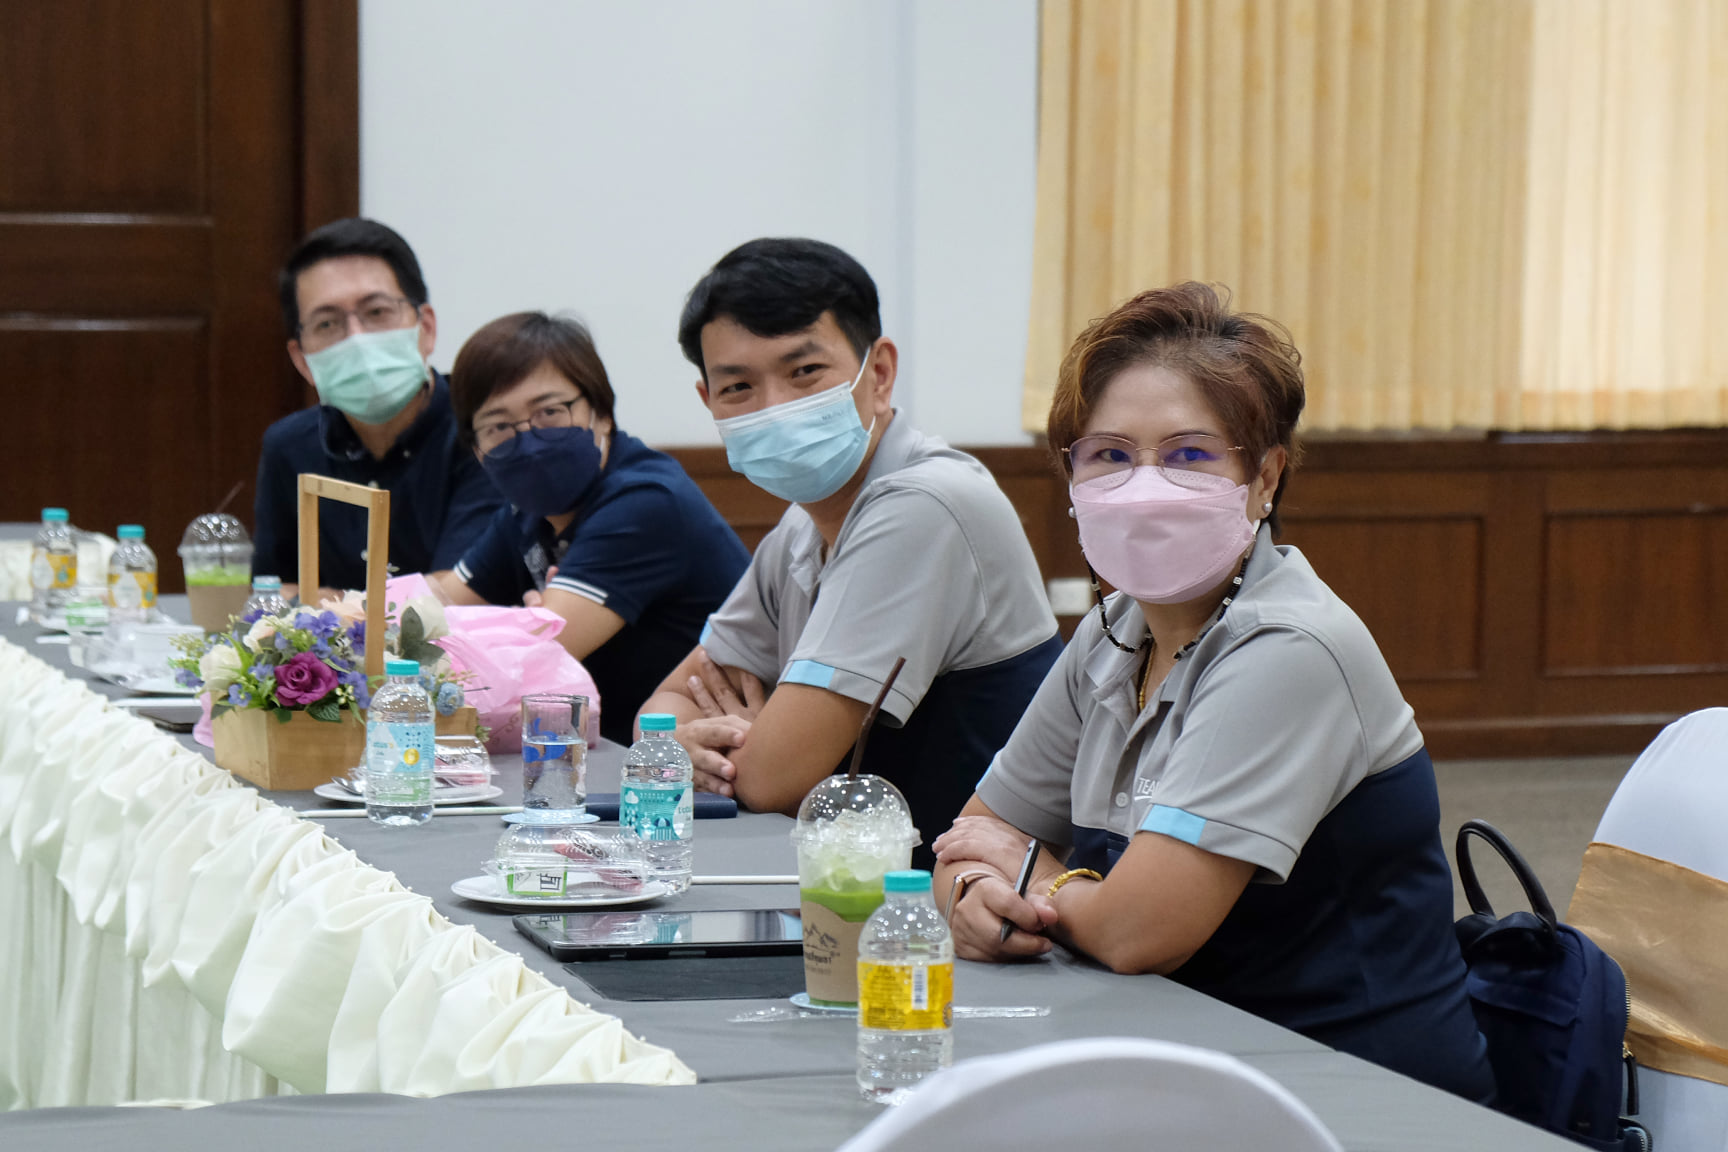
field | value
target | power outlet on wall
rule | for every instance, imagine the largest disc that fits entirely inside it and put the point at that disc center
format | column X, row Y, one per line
column 1070, row 596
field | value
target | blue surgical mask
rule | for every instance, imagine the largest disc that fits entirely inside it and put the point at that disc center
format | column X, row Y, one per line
column 545, row 471
column 803, row 451
column 371, row 376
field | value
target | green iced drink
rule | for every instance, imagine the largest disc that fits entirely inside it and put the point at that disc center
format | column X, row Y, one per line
column 834, row 913
column 220, row 576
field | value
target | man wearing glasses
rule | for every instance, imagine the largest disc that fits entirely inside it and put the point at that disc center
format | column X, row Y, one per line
column 360, row 331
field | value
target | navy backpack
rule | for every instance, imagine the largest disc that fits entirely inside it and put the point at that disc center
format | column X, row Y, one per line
column 1553, row 1008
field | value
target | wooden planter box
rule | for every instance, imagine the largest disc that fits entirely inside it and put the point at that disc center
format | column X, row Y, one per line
column 303, row 753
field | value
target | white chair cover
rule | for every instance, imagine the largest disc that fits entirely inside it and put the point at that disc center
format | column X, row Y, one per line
column 1673, row 805
column 1099, row 1093
column 171, row 935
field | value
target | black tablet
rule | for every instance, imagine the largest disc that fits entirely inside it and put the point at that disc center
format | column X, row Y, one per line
column 656, row 935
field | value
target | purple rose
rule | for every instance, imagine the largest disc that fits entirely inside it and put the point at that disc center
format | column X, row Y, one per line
column 304, row 679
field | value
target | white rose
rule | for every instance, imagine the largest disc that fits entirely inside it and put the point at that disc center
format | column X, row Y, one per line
column 219, row 668
column 261, row 634
column 431, row 614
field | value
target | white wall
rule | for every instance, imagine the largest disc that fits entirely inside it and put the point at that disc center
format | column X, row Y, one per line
column 599, row 155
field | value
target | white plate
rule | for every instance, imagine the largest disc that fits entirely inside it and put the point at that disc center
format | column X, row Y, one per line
column 529, row 818
column 485, row 890
column 148, row 685
column 802, row 1000
column 471, row 794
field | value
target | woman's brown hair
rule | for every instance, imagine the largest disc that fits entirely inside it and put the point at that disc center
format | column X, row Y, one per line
column 506, row 352
column 1245, row 366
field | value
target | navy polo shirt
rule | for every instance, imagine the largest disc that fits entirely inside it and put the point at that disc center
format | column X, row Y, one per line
column 440, row 500
column 646, row 544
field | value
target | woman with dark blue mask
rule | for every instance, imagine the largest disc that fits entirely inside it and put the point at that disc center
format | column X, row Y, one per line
column 602, row 529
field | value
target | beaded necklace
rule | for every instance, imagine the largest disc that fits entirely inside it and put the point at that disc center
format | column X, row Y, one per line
column 1148, row 645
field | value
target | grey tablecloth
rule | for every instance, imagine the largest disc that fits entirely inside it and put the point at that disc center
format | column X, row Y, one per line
column 765, row 1086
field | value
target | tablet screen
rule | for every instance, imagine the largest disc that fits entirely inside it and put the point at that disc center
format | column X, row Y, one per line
column 568, row 935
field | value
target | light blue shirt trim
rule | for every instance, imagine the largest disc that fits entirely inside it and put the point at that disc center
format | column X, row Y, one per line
column 1174, row 823
column 707, row 631
column 808, row 672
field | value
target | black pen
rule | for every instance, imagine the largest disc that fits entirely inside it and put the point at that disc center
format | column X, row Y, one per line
column 1008, row 925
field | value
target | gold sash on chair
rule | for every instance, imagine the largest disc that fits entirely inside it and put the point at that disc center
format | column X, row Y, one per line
column 1667, row 927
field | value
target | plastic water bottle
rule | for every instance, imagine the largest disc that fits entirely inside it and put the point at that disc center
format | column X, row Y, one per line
column 131, row 577
column 53, row 564
column 905, row 990
column 267, row 597
column 656, row 799
column 399, row 749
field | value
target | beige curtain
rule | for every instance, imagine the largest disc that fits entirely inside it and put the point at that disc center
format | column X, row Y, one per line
column 1470, row 213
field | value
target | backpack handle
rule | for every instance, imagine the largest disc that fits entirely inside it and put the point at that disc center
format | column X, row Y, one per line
column 1520, row 868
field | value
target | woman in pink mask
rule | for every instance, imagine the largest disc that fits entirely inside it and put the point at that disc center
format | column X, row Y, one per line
column 1227, row 784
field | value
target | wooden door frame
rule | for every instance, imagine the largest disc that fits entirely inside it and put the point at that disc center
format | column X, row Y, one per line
column 330, row 111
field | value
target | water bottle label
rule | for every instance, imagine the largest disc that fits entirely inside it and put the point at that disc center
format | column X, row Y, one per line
column 53, row 569
column 656, row 811
column 905, row 997
column 399, row 757
column 543, row 882
column 132, row 589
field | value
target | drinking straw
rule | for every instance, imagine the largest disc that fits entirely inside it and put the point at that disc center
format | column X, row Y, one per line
column 228, row 499
column 870, row 719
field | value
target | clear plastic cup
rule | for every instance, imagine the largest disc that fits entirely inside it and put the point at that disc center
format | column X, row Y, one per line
column 216, row 553
column 563, row 862
column 850, row 832
column 554, row 758
column 462, row 762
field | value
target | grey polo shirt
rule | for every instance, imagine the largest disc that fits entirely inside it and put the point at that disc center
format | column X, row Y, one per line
column 1282, row 740
column 931, row 564
column 1283, row 708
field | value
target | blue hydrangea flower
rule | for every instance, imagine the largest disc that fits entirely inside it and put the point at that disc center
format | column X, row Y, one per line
column 238, row 697
column 450, row 697
column 187, row 679
column 251, row 615
column 262, row 671
column 322, row 625
column 283, row 644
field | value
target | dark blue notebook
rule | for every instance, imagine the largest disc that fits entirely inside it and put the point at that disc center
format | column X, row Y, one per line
column 709, row 806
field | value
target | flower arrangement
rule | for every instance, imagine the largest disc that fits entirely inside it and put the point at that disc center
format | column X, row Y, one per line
column 314, row 659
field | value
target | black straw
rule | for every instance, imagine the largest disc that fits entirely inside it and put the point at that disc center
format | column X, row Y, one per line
column 229, row 499
column 870, row 719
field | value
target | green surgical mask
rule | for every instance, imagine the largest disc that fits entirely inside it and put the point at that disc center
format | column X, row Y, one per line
column 371, row 376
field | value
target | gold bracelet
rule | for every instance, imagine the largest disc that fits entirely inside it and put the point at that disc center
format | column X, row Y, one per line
column 1071, row 874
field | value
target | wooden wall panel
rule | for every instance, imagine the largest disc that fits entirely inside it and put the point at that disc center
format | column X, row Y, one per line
column 102, row 106
column 1416, row 584
column 1534, row 594
column 1636, row 593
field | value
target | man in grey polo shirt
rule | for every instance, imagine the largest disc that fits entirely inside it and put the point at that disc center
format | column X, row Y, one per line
column 895, row 546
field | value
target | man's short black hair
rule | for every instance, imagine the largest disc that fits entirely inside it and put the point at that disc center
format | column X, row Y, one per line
column 351, row 237
column 778, row 286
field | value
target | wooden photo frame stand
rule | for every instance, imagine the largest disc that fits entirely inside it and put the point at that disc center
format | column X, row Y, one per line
column 303, row 753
